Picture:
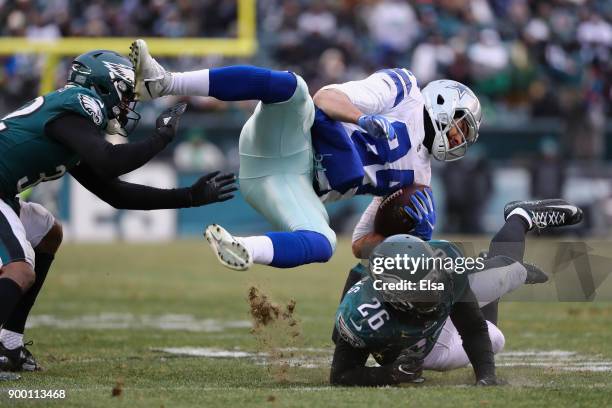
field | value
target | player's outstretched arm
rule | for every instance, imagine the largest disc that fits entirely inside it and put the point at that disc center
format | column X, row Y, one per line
column 109, row 161
column 472, row 327
column 212, row 188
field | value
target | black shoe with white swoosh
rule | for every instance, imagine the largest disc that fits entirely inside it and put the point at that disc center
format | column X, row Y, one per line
column 547, row 213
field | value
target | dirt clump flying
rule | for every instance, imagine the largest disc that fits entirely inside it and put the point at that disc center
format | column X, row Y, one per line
column 277, row 331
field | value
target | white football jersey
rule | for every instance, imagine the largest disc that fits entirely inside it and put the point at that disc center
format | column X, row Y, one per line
column 388, row 165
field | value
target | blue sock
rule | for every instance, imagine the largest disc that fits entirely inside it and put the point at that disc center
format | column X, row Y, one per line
column 298, row 248
column 243, row 82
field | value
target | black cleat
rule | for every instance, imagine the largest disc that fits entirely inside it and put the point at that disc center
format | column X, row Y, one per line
column 534, row 274
column 19, row 359
column 547, row 213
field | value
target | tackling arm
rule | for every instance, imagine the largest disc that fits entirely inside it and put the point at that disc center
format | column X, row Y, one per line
column 130, row 196
column 107, row 160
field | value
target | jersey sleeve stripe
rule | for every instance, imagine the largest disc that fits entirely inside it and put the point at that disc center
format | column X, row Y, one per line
column 411, row 75
column 405, row 75
column 398, row 84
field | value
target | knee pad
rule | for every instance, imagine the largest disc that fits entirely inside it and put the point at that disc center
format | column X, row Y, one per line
column 37, row 221
column 498, row 340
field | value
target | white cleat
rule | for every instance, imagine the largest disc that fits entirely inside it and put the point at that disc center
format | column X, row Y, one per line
column 229, row 250
column 152, row 80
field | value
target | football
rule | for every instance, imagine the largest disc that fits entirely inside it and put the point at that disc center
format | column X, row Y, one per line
column 391, row 219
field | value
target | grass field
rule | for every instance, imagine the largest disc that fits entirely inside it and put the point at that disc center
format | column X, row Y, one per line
column 107, row 310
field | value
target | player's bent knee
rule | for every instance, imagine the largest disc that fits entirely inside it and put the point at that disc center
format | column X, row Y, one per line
column 52, row 240
column 498, row 340
column 333, row 241
column 21, row 273
column 282, row 86
column 301, row 247
column 323, row 252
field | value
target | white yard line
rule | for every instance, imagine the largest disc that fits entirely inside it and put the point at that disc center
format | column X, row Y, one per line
column 110, row 321
column 555, row 359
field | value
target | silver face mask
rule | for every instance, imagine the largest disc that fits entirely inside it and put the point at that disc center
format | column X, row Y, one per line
column 448, row 103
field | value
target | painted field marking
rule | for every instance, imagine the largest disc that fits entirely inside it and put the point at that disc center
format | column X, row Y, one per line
column 109, row 321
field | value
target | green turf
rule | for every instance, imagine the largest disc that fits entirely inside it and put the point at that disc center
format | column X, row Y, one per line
column 184, row 278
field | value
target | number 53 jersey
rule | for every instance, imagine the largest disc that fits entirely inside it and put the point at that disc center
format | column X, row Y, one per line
column 28, row 155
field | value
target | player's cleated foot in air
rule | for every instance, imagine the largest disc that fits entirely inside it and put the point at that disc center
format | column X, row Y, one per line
column 547, row 213
column 534, row 274
column 229, row 250
column 19, row 359
column 152, row 80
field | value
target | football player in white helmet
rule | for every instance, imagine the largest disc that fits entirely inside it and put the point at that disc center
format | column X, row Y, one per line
column 372, row 136
column 455, row 114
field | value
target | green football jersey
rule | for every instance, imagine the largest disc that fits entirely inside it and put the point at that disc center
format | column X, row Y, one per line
column 365, row 321
column 29, row 156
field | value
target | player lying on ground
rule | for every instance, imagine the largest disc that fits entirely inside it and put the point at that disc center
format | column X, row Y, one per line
column 63, row 131
column 362, row 137
column 406, row 335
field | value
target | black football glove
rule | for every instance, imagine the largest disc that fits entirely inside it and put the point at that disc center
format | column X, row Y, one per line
column 489, row 381
column 408, row 367
column 167, row 122
column 212, row 188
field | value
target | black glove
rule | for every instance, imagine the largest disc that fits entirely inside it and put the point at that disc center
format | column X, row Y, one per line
column 167, row 122
column 408, row 367
column 212, row 188
column 489, row 381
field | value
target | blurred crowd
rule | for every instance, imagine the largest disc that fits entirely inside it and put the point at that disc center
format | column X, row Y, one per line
column 525, row 59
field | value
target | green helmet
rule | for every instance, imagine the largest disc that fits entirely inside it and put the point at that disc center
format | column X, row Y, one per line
column 413, row 282
column 111, row 77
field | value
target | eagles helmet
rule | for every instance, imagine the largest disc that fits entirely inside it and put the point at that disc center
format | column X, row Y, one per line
column 448, row 104
column 111, row 76
column 427, row 297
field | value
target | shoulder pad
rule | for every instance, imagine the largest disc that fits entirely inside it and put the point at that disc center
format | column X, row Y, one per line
column 86, row 103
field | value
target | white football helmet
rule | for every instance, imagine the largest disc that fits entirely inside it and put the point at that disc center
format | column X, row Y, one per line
column 448, row 103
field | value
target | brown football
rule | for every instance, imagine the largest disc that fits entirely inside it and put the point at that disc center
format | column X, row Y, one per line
column 391, row 219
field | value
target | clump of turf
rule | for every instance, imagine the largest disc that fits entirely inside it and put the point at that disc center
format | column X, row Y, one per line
column 277, row 332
